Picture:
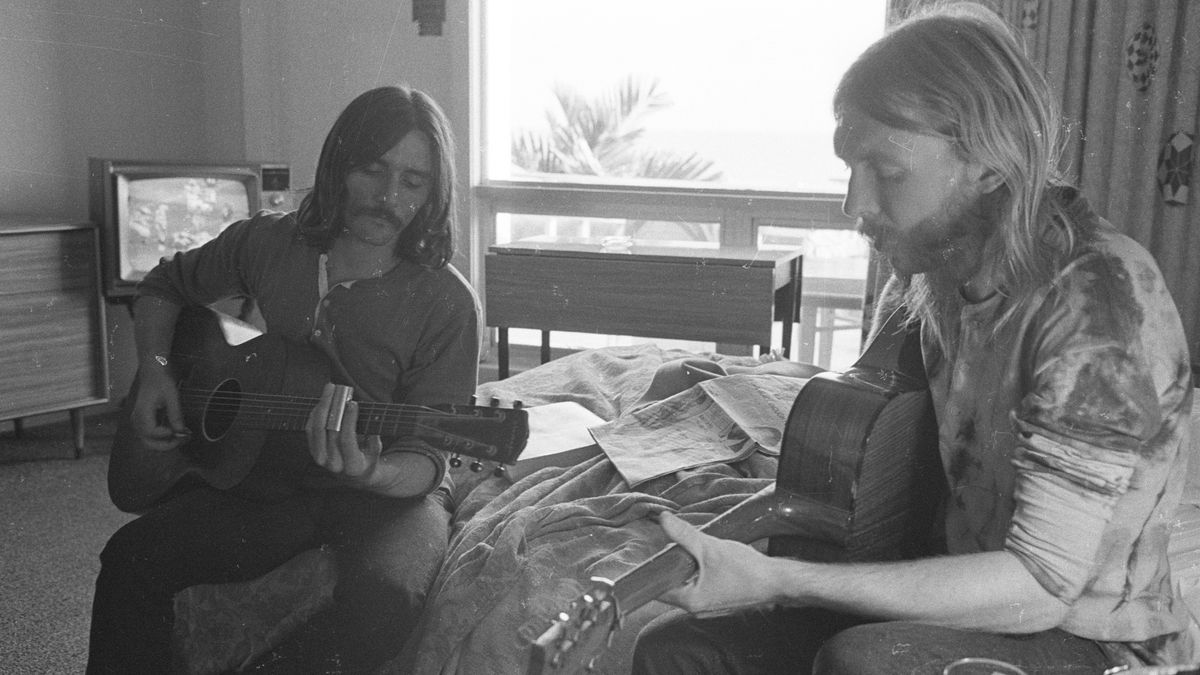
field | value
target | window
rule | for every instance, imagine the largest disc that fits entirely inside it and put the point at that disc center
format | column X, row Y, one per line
column 698, row 120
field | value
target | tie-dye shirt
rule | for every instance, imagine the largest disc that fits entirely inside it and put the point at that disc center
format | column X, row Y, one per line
column 1061, row 436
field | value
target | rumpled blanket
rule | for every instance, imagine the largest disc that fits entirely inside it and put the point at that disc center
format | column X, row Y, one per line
column 521, row 552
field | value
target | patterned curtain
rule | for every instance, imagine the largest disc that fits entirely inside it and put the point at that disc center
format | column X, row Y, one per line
column 1128, row 73
column 1128, row 76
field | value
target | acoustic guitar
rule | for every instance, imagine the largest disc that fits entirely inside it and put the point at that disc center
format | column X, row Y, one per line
column 236, row 396
column 859, row 478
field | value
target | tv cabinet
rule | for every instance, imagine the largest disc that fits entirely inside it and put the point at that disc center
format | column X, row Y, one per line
column 53, row 350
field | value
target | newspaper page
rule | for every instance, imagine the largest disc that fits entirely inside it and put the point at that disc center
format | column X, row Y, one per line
column 719, row 420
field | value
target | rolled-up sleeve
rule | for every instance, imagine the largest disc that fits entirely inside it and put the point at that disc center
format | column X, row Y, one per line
column 1087, row 421
column 1064, row 500
column 418, row 450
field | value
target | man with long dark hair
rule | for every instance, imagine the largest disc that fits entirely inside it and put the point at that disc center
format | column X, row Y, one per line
column 360, row 273
column 1060, row 380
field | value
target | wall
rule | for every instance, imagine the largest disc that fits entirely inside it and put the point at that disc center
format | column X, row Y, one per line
column 203, row 80
column 305, row 59
column 111, row 78
column 99, row 78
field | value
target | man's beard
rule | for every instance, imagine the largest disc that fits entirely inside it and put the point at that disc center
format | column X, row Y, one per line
column 946, row 243
column 953, row 245
column 939, row 305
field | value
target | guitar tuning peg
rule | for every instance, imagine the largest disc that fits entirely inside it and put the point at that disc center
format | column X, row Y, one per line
column 473, row 399
column 517, row 405
column 476, row 466
column 455, row 461
column 495, row 402
column 498, row 471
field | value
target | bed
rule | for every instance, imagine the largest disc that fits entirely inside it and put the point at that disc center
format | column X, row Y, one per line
column 521, row 552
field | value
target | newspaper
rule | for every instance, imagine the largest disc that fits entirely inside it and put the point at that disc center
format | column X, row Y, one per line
column 725, row 419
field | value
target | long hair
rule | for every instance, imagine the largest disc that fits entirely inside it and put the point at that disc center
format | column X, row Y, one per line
column 372, row 124
column 957, row 72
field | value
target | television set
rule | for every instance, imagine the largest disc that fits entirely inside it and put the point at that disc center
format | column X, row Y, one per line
column 148, row 210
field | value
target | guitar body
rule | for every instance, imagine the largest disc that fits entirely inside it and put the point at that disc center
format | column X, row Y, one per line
column 859, row 478
column 860, row 461
column 237, row 398
column 221, row 451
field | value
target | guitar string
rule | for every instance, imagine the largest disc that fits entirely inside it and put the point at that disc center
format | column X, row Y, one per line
column 299, row 400
column 295, row 409
column 376, row 425
column 471, row 449
column 284, row 404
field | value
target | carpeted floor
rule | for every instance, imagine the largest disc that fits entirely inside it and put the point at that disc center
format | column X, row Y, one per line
column 56, row 516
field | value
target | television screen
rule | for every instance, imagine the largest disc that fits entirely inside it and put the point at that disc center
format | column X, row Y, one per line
column 163, row 215
column 150, row 210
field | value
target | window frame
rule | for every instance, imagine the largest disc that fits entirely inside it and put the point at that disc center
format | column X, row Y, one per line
column 739, row 212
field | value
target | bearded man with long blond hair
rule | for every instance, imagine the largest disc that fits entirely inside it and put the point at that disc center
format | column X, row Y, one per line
column 1061, row 384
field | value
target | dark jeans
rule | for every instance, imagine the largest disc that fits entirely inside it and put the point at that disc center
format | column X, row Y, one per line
column 808, row 640
column 388, row 551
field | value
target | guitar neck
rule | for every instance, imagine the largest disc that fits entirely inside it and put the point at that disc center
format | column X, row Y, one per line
column 895, row 349
column 290, row 413
column 766, row 513
column 570, row 644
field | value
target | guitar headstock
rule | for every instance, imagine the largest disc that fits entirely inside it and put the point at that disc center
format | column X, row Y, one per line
column 578, row 636
column 491, row 433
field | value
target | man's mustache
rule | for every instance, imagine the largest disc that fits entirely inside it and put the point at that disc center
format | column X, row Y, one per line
column 382, row 214
column 872, row 231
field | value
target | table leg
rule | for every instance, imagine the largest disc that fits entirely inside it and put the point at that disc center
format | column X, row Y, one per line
column 502, row 352
column 77, row 429
column 808, row 336
column 545, row 346
column 826, row 353
column 787, row 304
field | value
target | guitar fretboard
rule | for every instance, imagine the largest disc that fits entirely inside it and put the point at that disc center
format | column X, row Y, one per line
column 290, row 413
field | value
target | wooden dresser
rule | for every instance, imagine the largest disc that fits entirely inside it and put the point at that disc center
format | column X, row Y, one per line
column 53, row 350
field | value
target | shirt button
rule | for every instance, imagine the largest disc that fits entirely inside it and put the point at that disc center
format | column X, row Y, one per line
column 317, row 333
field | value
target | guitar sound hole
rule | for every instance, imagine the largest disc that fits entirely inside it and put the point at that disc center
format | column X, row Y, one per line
column 221, row 410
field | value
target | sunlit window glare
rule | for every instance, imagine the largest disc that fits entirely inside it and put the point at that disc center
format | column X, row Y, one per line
column 700, row 92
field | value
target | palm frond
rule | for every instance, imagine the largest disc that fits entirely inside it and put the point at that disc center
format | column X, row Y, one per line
column 667, row 165
column 604, row 136
column 533, row 152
